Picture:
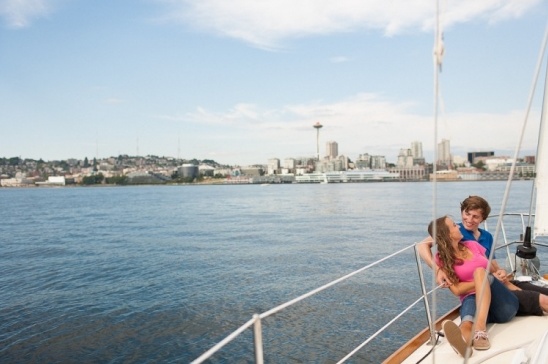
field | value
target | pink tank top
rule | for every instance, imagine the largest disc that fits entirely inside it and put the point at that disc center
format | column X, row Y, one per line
column 465, row 271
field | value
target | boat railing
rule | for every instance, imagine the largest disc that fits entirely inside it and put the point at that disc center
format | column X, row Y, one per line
column 256, row 320
column 506, row 243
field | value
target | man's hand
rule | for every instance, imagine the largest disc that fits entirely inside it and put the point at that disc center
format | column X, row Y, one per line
column 501, row 275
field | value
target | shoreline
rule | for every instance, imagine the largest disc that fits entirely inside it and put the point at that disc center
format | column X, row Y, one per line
column 225, row 183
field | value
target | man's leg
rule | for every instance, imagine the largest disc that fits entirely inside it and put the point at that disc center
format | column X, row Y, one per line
column 530, row 303
column 504, row 303
column 528, row 286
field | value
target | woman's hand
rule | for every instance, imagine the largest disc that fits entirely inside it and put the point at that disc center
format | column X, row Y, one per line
column 442, row 278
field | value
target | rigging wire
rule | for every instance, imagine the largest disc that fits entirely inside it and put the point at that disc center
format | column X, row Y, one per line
column 438, row 53
column 518, row 146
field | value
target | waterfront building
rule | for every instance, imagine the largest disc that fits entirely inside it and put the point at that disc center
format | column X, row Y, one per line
column 53, row 181
column 368, row 175
column 299, row 171
column 493, row 164
column 413, row 173
column 16, row 182
column 446, row 175
column 521, row 169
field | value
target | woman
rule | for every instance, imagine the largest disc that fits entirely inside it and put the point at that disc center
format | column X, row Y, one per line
column 465, row 265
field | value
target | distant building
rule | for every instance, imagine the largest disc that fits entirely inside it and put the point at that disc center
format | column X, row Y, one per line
column 331, row 150
column 460, row 161
column 444, row 153
column 290, row 163
column 206, row 170
column 332, row 165
column 344, row 161
column 273, row 166
column 529, row 159
column 363, row 161
column 145, row 177
column 57, row 180
column 416, row 150
column 252, row 171
column 378, row 162
column 405, row 158
column 473, row 155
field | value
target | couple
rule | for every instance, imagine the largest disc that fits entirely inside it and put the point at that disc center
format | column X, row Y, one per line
column 462, row 265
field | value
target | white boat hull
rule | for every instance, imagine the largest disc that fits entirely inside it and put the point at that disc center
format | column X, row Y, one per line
column 510, row 341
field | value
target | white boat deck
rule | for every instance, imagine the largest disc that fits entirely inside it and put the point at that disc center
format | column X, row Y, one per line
column 507, row 340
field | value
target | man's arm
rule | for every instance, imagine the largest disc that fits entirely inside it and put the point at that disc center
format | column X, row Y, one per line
column 499, row 272
column 425, row 251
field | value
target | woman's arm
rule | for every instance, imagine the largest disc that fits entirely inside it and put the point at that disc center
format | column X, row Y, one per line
column 425, row 252
column 461, row 288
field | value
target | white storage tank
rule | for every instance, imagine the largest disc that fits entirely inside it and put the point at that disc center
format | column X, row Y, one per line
column 188, row 170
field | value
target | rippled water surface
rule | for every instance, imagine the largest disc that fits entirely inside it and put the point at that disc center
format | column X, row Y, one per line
column 160, row 274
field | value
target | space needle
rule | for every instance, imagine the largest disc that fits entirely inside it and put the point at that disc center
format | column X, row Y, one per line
column 318, row 126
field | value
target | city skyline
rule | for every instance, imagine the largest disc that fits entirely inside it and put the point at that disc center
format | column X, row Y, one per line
column 241, row 83
column 330, row 152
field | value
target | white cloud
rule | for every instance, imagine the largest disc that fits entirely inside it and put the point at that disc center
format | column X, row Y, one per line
column 20, row 13
column 339, row 59
column 267, row 23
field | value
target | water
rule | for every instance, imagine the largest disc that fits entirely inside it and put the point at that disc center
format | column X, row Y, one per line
column 160, row 274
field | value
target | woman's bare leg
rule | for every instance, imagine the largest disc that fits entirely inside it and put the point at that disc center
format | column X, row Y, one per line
column 483, row 298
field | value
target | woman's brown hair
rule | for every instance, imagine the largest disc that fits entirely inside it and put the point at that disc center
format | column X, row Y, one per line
column 446, row 253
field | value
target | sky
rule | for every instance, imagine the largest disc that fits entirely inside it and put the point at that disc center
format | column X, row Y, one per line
column 244, row 81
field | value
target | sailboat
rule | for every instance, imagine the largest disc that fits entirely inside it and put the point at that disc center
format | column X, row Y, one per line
column 525, row 338
column 522, row 340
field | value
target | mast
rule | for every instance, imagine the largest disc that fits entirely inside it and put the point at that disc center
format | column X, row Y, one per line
column 541, row 163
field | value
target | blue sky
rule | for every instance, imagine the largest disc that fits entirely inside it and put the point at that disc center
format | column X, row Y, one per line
column 243, row 81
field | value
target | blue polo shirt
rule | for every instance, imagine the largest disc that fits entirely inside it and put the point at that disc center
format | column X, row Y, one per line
column 485, row 239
